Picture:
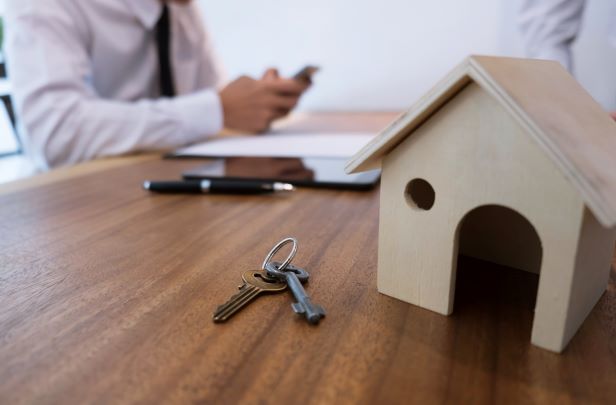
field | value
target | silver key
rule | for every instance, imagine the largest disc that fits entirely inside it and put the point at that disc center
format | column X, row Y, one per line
column 301, row 274
column 292, row 275
column 255, row 283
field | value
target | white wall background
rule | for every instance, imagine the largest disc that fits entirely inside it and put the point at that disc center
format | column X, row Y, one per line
column 384, row 54
column 595, row 52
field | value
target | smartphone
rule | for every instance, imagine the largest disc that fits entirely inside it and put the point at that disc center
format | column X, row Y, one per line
column 306, row 73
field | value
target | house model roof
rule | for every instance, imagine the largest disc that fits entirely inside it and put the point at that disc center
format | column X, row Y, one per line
column 567, row 123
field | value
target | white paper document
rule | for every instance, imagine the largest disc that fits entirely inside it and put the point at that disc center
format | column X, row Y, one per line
column 302, row 145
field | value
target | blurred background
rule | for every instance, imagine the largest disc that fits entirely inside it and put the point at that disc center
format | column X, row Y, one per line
column 375, row 55
column 383, row 55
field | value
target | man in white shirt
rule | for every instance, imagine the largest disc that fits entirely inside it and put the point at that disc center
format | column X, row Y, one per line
column 549, row 28
column 96, row 78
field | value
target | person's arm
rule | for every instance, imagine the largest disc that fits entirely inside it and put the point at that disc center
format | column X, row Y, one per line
column 66, row 121
column 549, row 27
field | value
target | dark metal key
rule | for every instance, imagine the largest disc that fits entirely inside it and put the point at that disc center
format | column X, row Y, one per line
column 255, row 283
column 294, row 276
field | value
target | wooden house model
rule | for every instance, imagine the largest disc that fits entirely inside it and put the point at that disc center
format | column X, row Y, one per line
column 507, row 160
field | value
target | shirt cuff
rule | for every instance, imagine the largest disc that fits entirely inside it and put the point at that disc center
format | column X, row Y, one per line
column 200, row 114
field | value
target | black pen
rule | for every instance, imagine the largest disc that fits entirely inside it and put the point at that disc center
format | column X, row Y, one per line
column 217, row 187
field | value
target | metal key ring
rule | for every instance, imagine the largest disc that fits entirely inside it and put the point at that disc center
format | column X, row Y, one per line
column 275, row 250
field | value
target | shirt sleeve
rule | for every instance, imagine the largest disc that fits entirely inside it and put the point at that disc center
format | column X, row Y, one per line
column 65, row 120
column 549, row 27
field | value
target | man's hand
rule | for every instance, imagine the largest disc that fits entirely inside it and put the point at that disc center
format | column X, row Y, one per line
column 252, row 105
column 613, row 115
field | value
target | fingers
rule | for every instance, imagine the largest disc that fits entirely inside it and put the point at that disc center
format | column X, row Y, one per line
column 286, row 86
column 280, row 113
column 283, row 96
column 281, row 102
column 266, row 116
column 252, row 105
column 270, row 74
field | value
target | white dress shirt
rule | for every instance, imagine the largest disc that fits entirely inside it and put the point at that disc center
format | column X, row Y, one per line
column 550, row 26
column 85, row 78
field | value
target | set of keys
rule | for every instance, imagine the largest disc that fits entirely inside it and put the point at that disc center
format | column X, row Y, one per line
column 273, row 277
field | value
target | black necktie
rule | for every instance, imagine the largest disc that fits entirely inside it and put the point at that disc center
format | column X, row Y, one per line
column 163, row 43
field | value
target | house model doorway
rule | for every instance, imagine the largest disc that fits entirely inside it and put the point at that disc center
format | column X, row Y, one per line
column 500, row 235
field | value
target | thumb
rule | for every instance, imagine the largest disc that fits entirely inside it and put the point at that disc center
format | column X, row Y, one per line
column 271, row 74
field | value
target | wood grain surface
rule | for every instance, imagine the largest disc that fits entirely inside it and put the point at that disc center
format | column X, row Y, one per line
column 107, row 295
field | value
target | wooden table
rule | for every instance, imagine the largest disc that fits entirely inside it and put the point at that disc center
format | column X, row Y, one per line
column 107, row 294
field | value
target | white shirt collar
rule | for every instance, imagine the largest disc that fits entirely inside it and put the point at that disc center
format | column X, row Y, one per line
column 147, row 11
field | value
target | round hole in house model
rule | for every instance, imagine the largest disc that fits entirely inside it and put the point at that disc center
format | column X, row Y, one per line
column 420, row 194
